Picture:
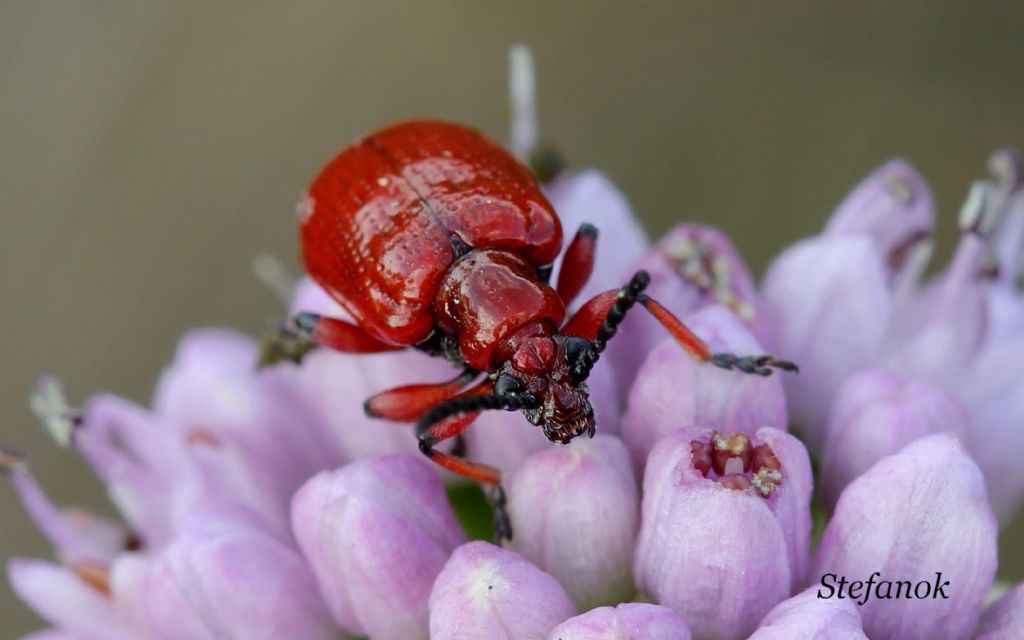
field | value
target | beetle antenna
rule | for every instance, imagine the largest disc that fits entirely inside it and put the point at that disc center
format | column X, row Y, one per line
column 468, row 404
column 628, row 296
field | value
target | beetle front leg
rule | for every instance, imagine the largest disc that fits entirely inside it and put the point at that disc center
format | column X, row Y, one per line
column 454, row 427
column 449, row 420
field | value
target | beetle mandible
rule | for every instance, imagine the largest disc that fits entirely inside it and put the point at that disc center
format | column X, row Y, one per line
column 433, row 237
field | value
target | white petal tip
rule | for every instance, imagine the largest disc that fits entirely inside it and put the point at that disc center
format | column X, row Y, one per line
column 523, row 128
column 48, row 403
column 977, row 215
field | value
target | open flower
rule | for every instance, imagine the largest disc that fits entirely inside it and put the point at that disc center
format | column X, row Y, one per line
column 725, row 527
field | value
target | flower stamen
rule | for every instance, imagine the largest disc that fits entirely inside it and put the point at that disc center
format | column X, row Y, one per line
column 699, row 264
column 93, row 574
column 735, row 463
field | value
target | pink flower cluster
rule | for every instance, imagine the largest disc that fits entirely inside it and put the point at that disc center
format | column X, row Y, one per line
column 263, row 503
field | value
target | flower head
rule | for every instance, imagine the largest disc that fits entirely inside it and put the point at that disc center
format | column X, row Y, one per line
column 262, row 502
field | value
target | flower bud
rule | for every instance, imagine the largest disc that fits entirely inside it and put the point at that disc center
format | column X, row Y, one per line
column 725, row 527
column 993, row 392
column 893, row 206
column 590, row 197
column 376, row 532
column 673, row 390
column 575, row 512
column 876, row 413
column 1004, row 620
column 691, row 266
column 805, row 616
column 490, row 593
column 218, row 575
column 628, row 621
column 827, row 304
column 921, row 517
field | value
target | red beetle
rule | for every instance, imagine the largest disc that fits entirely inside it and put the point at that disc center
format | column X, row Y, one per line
column 433, row 237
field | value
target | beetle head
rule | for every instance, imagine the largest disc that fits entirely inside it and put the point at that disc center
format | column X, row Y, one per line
column 554, row 370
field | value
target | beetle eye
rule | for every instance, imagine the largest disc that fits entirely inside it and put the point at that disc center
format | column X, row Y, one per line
column 575, row 347
column 507, row 385
column 576, row 351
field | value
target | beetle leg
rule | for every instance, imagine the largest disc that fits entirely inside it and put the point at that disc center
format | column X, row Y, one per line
column 339, row 334
column 409, row 402
column 599, row 319
column 283, row 344
column 449, row 420
column 578, row 263
column 544, row 273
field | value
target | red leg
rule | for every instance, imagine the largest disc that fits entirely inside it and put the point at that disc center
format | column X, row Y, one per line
column 340, row 335
column 578, row 263
column 409, row 402
column 432, row 433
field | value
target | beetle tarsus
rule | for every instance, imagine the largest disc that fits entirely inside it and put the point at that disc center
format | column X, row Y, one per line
column 283, row 345
column 502, row 522
column 757, row 365
column 305, row 323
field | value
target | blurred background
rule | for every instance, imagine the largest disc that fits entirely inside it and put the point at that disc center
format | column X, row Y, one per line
column 148, row 150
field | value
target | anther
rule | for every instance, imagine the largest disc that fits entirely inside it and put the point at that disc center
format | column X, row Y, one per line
column 900, row 189
column 1005, row 168
column 975, row 214
column 700, row 454
column 698, row 264
column 735, row 463
column 95, row 575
